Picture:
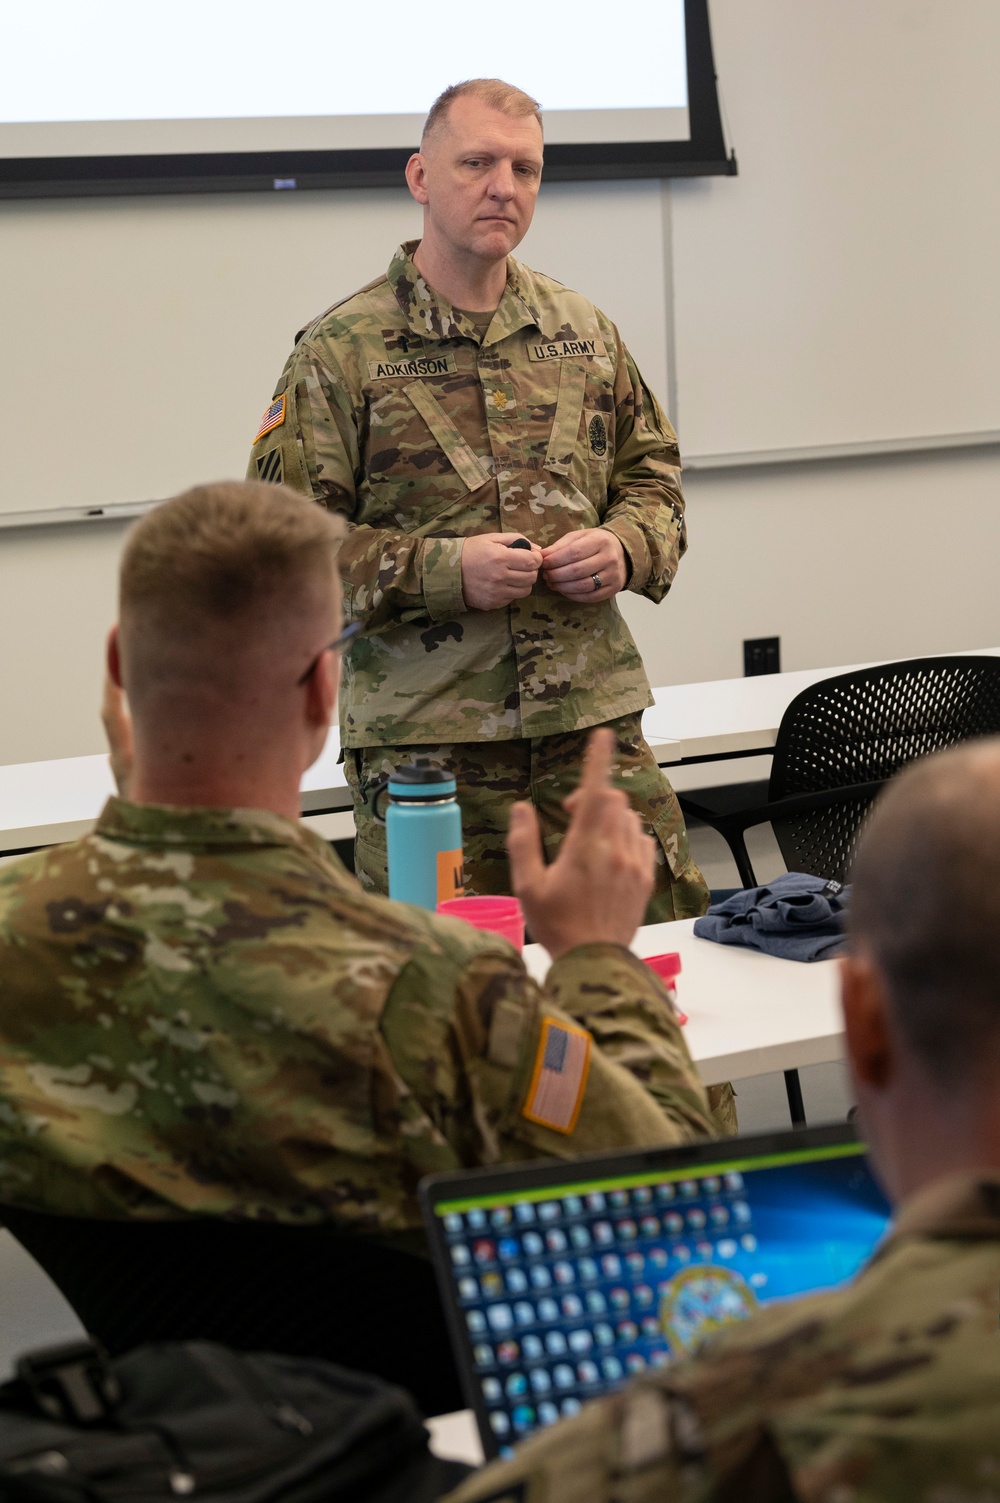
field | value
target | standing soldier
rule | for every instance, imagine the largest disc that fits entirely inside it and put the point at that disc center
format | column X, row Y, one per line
column 504, row 472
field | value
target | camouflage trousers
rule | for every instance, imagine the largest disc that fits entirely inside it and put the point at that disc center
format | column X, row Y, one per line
column 493, row 775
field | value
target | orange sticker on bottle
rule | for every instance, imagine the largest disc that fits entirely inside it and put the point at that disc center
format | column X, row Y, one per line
column 451, row 875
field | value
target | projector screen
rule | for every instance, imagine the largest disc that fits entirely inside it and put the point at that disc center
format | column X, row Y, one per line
column 216, row 95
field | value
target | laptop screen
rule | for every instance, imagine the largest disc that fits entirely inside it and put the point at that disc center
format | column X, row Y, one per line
column 561, row 1281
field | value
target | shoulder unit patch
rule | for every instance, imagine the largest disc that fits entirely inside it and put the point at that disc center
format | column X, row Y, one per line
column 270, row 468
column 559, row 1076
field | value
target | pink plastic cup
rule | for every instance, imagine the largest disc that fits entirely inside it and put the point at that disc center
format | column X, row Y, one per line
column 495, row 915
column 668, row 968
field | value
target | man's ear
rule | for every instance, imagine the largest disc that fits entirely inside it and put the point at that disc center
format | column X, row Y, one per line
column 113, row 658
column 321, row 690
column 865, row 1002
column 416, row 177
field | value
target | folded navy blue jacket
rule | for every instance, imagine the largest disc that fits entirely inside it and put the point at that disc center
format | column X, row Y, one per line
column 796, row 917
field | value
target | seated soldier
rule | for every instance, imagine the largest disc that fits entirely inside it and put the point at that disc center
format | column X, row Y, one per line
column 202, row 1012
column 890, row 1387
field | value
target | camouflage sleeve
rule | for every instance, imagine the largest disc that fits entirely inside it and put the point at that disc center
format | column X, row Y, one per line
column 705, row 1427
column 389, row 577
column 647, row 1444
column 472, row 1058
column 645, row 502
column 598, row 1456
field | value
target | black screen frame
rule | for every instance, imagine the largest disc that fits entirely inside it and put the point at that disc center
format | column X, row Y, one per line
column 695, row 1157
column 702, row 155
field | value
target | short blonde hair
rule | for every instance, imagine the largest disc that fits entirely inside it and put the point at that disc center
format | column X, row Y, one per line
column 224, row 551
column 492, row 91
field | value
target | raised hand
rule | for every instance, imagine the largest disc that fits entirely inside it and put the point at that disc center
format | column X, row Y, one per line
column 597, row 888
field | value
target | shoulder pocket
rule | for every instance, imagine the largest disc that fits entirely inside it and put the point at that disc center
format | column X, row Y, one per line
column 566, row 424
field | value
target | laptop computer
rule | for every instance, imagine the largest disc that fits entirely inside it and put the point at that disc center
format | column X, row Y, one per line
column 562, row 1279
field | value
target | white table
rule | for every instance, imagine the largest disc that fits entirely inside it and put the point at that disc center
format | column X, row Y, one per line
column 44, row 803
column 748, row 1013
column 454, row 1437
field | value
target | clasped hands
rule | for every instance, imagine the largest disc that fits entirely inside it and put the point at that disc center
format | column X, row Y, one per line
column 494, row 573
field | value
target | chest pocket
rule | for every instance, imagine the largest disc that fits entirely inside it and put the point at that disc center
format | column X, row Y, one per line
column 566, row 423
column 466, row 464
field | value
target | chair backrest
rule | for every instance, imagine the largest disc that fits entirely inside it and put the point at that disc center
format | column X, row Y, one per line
column 862, row 726
column 305, row 1291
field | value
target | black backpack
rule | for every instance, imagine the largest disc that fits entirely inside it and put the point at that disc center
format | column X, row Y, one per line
column 198, row 1421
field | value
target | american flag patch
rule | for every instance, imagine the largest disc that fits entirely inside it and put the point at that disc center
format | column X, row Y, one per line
column 559, row 1077
column 273, row 418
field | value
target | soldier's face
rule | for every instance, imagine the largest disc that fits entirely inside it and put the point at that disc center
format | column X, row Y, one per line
column 478, row 179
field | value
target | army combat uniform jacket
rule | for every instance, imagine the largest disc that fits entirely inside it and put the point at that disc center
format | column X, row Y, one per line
column 887, row 1391
column 200, row 1011
column 396, row 413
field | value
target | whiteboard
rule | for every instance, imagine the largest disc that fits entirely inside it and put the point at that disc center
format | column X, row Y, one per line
column 142, row 339
column 845, row 287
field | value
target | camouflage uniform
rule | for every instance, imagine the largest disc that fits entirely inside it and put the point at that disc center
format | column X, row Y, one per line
column 200, row 1011
column 398, row 412
column 886, row 1390
column 491, row 775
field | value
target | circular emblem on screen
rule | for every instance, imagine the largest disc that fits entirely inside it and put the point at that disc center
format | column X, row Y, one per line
column 598, row 435
column 700, row 1300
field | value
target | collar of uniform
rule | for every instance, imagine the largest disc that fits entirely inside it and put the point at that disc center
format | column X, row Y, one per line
column 202, row 829
column 431, row 316
column 958, row 1206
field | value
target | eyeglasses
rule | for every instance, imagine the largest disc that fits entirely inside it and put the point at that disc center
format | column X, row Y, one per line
column 337, row 645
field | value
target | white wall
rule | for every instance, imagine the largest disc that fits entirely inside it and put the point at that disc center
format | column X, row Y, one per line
column 178, row 313
column 844, row 287
column 846, row 562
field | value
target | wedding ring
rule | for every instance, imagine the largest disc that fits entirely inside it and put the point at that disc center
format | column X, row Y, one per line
column 597, row 581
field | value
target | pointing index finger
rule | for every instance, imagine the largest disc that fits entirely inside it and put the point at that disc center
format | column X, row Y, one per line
column 597, row 761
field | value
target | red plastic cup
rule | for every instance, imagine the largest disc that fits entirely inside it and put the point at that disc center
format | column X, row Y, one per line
column 495, row 915
column 668, row 968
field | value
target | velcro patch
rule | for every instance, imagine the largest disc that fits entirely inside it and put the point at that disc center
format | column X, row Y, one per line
column 273, row 417
column 559, row 1077
column 564, row 349
column 270, row 467
column 417, row 365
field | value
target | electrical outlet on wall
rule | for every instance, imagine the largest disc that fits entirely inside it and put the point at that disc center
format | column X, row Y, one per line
column 761, row 655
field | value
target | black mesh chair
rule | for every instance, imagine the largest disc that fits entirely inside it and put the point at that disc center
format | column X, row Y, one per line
column 305, row 1291
column 838, row 743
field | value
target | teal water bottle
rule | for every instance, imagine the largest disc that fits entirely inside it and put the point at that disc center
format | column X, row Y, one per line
column 423, row 827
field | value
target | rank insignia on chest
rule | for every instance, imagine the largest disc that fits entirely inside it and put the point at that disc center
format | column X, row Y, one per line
column 500, row 399
column 273, row 417
column 598, row 435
